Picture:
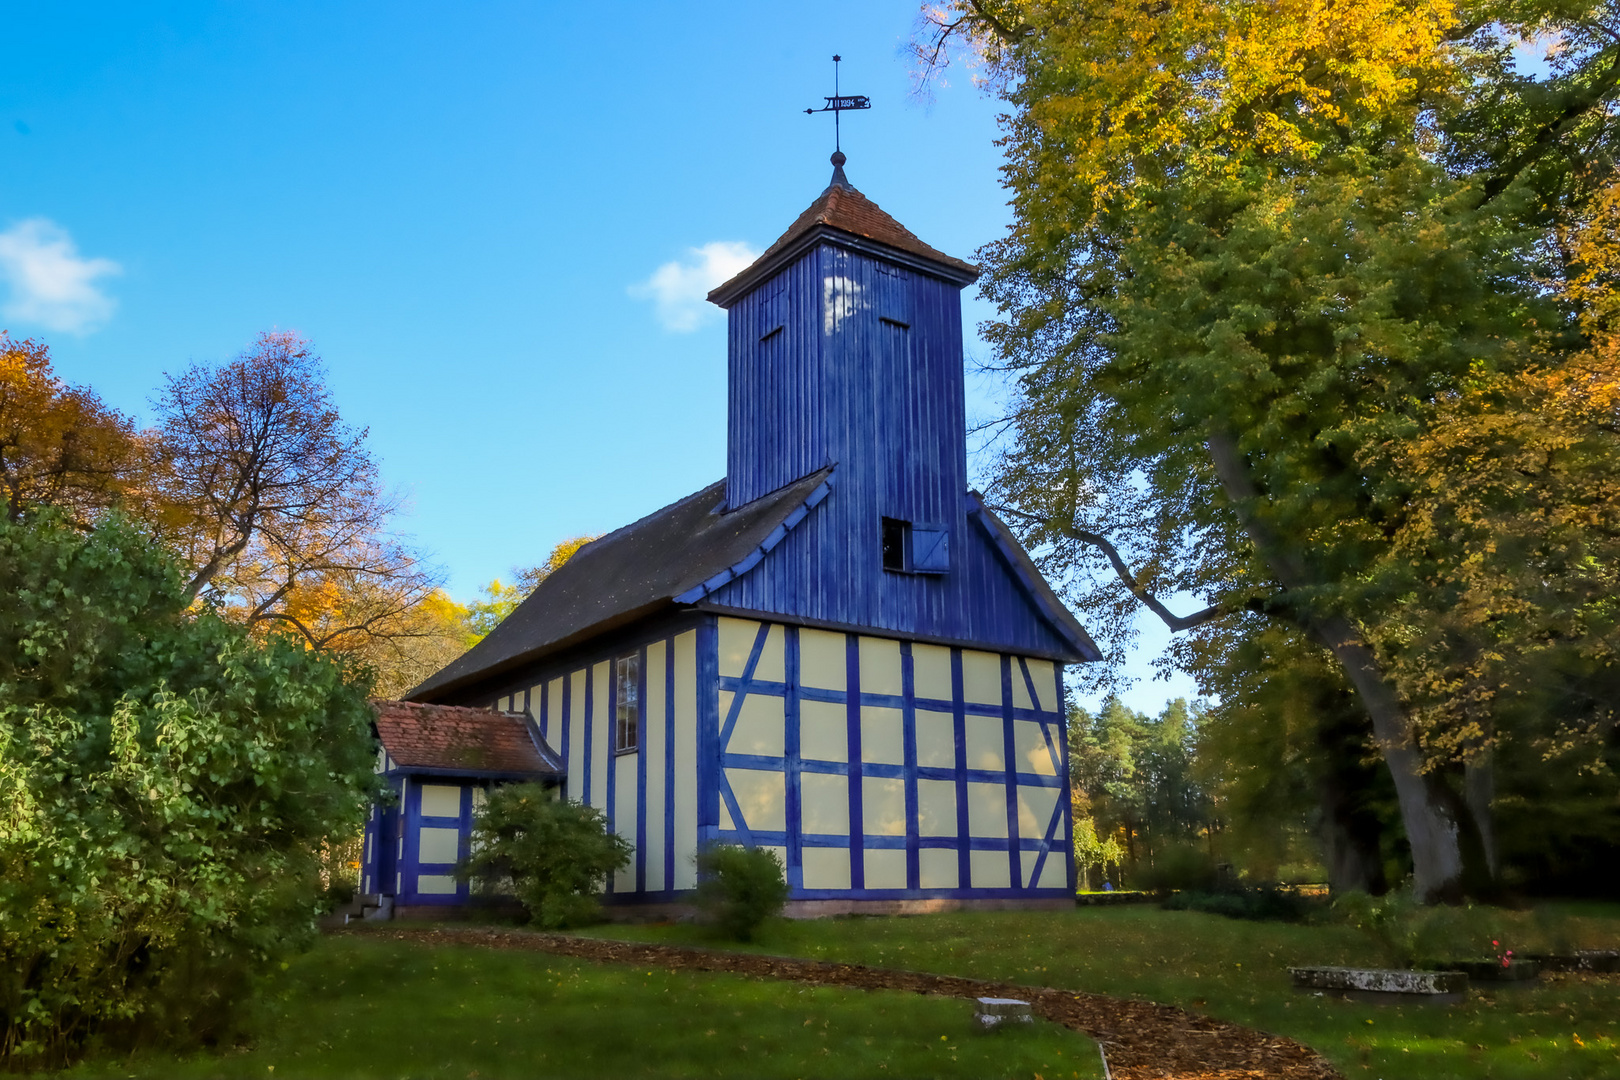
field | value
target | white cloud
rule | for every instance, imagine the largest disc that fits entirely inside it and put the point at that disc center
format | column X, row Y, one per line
column 678, row 289
column 51, row 284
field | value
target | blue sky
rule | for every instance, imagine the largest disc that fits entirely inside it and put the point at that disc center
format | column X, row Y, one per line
column 491, row 219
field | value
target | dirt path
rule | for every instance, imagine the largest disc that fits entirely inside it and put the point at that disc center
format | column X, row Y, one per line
column 1142, row 1040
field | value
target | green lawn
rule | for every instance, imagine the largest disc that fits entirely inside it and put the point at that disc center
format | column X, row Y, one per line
column 358, row 1008
column 1567, row 1027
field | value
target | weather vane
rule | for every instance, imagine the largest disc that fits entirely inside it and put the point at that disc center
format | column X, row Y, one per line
column 837, row 104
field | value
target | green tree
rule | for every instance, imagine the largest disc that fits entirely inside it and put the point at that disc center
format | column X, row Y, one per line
column 1133, row 784
column 166, row 784
column 1252, row 247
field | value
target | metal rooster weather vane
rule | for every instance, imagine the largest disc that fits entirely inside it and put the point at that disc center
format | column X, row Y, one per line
column 837, row 104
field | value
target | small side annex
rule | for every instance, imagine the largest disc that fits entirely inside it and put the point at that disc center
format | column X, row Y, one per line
column 440, row 761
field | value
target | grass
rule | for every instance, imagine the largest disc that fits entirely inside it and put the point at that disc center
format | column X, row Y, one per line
column 357, row 1008
column 1566, row 1027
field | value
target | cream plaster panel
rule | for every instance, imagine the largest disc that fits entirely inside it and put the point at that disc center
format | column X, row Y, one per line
column 1020, row 690
column 931, row 672
column 1055, row 874
column 981, row 677
column 654, row 745
column 436, row 884
column 937, row 868
column 601, row 722
column 685, row 751
column 576, row 733
column 725, row 816
column 624, row 816
column 759, row 728
column 554, row 714
column 936, row 740
column 479, row 799
column 761, row 796
column 824, row 803
column 441, row 800
column 736, row 642
column 987, row 810
column 825, row 868
column 1044, row 676
column 771, row 667
column 986, row 743
column 880, row 666
column 1028, row 859
column 823, row 660
column 989, row 869
column 438, row 845
column 823, row 730
column 883, row 805
column 883, row 738
column 1029, row 749
column 885, row 868
column 936, row 808
column 1035, row 806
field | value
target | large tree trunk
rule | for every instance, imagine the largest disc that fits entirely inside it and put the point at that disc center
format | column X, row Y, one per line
column 1432, row 827
column 1430, row 816
column 1352, row 833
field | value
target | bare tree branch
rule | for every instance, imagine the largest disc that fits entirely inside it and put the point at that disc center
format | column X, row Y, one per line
column 1176, row 623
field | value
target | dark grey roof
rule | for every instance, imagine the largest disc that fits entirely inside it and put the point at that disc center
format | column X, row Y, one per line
column 632, row 573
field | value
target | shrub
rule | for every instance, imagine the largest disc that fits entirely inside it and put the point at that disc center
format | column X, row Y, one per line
column 1257, row 903
column 739, row 888
column 1177, row 866
column 166, row 782
column 551, row 854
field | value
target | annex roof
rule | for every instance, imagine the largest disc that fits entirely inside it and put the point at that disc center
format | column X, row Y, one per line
column 841, row 209
column 450, row 739
column 666, row 558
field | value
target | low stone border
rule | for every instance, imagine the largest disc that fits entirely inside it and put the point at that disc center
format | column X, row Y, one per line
column 1142, row 1040
column 1383, row 985
column 1597, row 961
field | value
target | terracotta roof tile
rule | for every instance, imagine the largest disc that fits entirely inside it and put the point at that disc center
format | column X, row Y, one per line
column 843, row 208
column 453, row 738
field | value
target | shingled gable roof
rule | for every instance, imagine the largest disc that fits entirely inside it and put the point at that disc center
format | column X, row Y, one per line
column 843, row 210
column 451, row 740
column 634, row 572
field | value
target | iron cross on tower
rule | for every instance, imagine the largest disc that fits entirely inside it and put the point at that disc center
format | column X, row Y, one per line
column 837, row 104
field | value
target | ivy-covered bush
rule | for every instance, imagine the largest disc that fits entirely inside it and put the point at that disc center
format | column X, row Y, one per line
column 739, row 888
column 166, row 782
column 553, row 855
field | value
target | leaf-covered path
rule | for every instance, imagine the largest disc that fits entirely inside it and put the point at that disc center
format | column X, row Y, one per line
column 1143, row 1040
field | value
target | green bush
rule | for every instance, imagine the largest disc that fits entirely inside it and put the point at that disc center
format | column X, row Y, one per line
column 739, row 888
column 1177, row 866
column 166, row 783
column 1408, row 934
column 1257, row 903
column 551, row 854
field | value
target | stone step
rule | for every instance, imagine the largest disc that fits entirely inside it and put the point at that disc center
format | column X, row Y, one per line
column 991, row 1013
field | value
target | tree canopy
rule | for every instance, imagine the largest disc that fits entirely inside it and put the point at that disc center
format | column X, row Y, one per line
column 1266, row 261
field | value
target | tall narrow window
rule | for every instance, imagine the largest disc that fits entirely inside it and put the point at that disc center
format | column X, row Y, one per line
column 628, row 675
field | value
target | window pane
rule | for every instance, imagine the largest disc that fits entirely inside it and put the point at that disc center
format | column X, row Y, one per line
column 628, row 671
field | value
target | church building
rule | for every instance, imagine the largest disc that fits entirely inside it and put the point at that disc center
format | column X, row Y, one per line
column 837, row 651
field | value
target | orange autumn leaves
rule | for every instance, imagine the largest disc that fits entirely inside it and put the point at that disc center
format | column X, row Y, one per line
column 1517, row 520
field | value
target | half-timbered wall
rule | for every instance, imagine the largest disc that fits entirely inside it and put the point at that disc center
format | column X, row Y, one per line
column 650, row 794
column 875, row 767
column 880, row 767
